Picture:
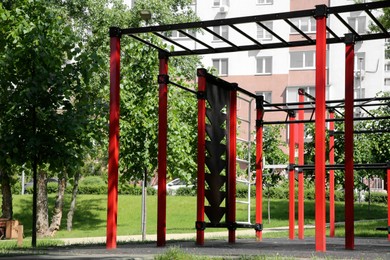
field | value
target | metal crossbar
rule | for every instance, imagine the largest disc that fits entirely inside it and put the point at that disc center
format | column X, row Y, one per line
column 206, row 27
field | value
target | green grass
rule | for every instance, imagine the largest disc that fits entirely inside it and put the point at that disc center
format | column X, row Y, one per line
column 90, row 216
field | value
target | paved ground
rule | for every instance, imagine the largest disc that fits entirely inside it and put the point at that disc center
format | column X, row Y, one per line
column 365, row 248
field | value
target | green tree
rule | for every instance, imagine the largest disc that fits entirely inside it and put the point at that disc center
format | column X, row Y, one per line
column 45, row 112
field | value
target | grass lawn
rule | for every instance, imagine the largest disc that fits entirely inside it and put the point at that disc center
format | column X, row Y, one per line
column 90, row 216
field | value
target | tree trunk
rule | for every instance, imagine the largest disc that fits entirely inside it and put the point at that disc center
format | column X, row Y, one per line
column 57, row 214
column 72, row 208
column 6, row 206
column 42, row 205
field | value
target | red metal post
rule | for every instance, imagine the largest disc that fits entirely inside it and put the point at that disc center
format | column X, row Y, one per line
column 201, row 156
column 331, row 176
column 388, row 200
column 231, row 214
column 162, row 153
column 259, row 167
column 301, row 161
column 348, row 139
column 320, row 106
column 291, row 174
column 113, row 147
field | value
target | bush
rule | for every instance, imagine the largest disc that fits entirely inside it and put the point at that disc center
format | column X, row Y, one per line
column 92, row 180
column 92, row 189
column 186, row 191
column 376, row 197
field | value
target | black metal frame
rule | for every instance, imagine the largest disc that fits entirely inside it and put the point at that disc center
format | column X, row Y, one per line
column 204, row 27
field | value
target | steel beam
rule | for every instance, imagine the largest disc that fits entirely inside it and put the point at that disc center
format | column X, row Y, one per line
column 348, row 139
column 320, row 147
column 162, row 153
column 113, row 147
column 201, row 155
column 259, row 165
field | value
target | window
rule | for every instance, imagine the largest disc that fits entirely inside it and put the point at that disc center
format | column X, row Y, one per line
column 387, row 81
column 264, row 65
column 358, row 23
column 222, row 31
column 360, row 61
column 266, row 94
column 265, row 2
column 262, row 34
column 219, row 3
column 302, row 60
column 221, row 65
column 387, row 67
column 305, row 24
column 387, row 54
column 177, row 34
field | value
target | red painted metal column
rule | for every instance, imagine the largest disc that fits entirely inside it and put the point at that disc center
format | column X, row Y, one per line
column 388, row 200
column 259, row 167
column 162, row 153
column 320, row 210
column 291, row 177
column 301, row 161
column 200, row 225
column 331, row 176
column 113, row 147
column 231, row 214
column 348, row 139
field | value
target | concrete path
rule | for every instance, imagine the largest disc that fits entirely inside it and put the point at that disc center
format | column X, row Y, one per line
column 185, row 236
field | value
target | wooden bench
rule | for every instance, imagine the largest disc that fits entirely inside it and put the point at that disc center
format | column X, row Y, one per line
column 3, row 225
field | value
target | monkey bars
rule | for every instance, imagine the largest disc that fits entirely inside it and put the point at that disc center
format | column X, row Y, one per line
column 324, row 35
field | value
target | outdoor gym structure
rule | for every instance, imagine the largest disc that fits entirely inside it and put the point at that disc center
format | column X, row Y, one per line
column 221, row 94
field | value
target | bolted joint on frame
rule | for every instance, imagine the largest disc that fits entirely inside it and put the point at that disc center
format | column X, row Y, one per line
column 259, row 227
column 259, row 123
column 331, row 110
column 349, row 38
column 163, row 55
column 201, row 72
column 321, row 11
column 291, row 167
column 260, row 102
column 163, row 79
column 301, row 91
column 201, row 95
column 234, row 86
column 115, row 32
column 200, row 225
column 231, row 225
column 291, row 113
column 331, row 132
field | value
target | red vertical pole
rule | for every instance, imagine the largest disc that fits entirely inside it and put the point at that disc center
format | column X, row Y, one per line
column 320, row 218
column 162, row 153
column 201, row 156
column 291, row 175
column 231, row 216
column 348, row 139
column 113, row 147
column 259, row 167
column 331, row 176
column 301, row 161
column 388, row 200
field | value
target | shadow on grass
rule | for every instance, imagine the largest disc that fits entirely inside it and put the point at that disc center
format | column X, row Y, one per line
column 86, row 217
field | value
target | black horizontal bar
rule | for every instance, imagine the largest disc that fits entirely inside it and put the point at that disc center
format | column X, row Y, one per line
column 361, row 166
column 255, row 18
column 327, row 120
column 364, row 131
column 182, row 87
